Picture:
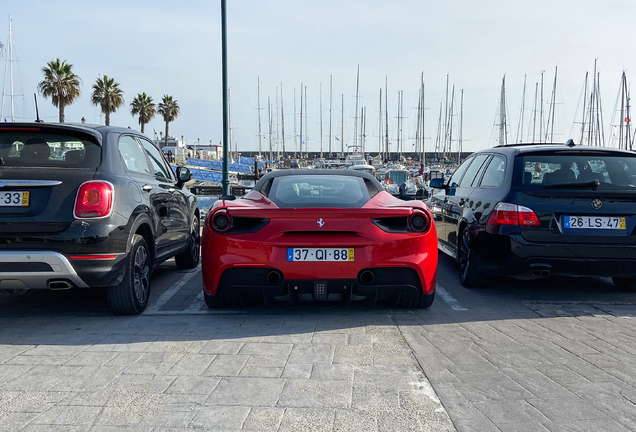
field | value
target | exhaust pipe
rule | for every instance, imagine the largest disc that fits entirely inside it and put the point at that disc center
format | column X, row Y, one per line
column 536, row 273
column 59, row 285
column 541, row 271
column 274, row 277
column 366, row 277
column 545, row 273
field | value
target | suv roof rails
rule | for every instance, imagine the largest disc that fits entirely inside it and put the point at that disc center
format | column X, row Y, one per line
column 528, row 144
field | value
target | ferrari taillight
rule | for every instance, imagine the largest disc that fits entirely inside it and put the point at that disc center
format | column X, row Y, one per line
column 419, row 221
column 513, row 214
column 94, row 199
column 220, row 221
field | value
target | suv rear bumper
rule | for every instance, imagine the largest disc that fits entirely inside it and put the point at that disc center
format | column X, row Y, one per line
column 49, row 269
column 534, row 260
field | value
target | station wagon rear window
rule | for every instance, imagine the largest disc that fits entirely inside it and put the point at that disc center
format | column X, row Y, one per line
column 301, row 191
column 41, row 149
column 610, row 170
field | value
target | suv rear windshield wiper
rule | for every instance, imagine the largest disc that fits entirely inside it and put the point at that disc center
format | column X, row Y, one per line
column 592, row 184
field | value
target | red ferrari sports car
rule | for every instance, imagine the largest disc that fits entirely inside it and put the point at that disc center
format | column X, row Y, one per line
column 323, row 235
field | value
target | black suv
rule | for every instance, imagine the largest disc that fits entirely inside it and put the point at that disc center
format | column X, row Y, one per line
column 530, row 211
column 91, row 206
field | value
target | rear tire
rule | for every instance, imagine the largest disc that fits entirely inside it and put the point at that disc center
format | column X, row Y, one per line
column 131, row 296
column 469, row 274
column 625, row 284
column 189, row 258
column 220, row 302
column 421, row 301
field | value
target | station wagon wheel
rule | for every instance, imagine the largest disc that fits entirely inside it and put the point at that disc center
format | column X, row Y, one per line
column 189, row 258
column 469, row 274
column 130, row 297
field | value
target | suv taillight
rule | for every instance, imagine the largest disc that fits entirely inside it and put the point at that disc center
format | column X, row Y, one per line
column 513, row 214
column 94, row 199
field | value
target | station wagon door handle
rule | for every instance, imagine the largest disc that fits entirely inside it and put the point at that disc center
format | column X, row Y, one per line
column 146, row 188
column 171, row 190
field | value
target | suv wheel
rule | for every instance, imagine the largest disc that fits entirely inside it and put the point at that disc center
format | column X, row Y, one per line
column 130, row 297
column 469, row 274
column 189, row 258
column 625, row 284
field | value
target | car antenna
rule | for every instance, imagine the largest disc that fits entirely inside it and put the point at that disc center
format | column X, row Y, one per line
column 37, row 112
column 570, row 143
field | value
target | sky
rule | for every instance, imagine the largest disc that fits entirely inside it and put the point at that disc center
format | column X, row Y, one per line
column 174, row 48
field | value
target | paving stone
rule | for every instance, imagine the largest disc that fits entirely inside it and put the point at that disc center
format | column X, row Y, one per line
column 41, row 378
column 311, row 353
column 226, row 365
column 368, row 397
column 315, row 394
column 567, row 409
column 266, row 349
column 266, row 361
column 338, row 372
column 492, row 387
column 262, row 372
column 192, row 364
column 354, row 421
column 358, row 355
column 220, row 417
column 246, row 391
column 509, row 411
column 307, row 419
column 69, row 415
column 297, row 370
column 193, row 385
column 9, row 372
column 264, row 419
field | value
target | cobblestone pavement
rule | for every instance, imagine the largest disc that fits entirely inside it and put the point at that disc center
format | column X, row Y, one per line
column 555, row 355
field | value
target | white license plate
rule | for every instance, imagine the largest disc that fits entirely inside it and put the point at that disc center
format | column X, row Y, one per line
column 594, row 222
column 320, row 254
column 14, row 199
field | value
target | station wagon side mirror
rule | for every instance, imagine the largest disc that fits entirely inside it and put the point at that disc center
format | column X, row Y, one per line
column 183, row 175
column 437, row 183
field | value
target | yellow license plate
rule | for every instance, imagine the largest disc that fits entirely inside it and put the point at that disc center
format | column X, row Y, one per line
column 14, row 199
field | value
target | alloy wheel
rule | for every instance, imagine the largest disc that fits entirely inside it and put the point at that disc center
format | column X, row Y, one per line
column 196, row 239
column 464, row 255
column 141, row 274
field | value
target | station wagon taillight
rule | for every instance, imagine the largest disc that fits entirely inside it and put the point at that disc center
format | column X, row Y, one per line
column 513, row 214
column 94, row 199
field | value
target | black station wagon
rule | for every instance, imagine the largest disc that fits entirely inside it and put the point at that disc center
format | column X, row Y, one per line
column 91, row 206
column 535, row 210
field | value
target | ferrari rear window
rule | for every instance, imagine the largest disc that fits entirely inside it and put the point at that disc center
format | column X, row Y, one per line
column 302, row 191
column 40, row 149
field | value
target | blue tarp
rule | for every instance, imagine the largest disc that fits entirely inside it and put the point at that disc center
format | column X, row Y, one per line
column 215, row 165
column 204, row 175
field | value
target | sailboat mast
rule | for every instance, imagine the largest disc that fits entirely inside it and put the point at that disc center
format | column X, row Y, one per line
column 321, row 120
column 380, row 126
column 446, row 119
column 584, row 108
column 277, row 129
column 439, row 132
column 330, row 104
column 417, row 128
column 295, row 132
column 301, row 120
column 523, row 109
column 541, row 111
column 554, row 89
column 355, row 119
column 269, row 118
column 11, row 66
column 282, row 118
column 306, row 126
column 399, row 127
column 259, row 116
column 423, row 156
column 342, row 127
column 502, row 113
column 450, row 123
column 386, row 113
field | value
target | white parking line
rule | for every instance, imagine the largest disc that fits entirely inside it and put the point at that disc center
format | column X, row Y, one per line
column 452, row 301
column 196, row 304
column 163, row 298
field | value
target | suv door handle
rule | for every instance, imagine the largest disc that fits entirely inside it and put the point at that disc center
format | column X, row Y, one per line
column 461, row 202
column 146, row 188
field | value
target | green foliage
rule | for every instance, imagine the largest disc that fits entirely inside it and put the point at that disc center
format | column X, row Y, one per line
column 107, row 95
column 60, row 84
column 143, row 106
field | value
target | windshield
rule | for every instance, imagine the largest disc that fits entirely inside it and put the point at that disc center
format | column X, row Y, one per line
column 320, row 191
column 37, row 149
column 397, row 177
column 611, row 170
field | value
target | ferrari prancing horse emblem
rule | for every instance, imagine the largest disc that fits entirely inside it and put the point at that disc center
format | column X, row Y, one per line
column 320, row 223
column 597, row 203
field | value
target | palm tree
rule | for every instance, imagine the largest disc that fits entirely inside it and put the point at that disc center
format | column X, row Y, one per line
column 169, row 109
column 60, row 84
column 108, row 95
column 143, row 106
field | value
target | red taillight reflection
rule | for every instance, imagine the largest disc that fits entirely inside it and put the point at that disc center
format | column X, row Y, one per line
column 94, row 199
column 513, row 214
